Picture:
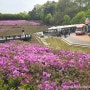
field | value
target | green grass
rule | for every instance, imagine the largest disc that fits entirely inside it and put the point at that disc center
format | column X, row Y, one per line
column 17, row 29
column 59, row 44
column 7, row 30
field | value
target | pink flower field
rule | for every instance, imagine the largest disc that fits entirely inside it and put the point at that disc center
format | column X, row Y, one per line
column 19, row 22
column 25, row 66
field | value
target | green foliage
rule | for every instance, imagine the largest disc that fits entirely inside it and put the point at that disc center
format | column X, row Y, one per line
column 49, row 7
column 20, row 16
column 79, row 18
column 49, row 19
column 67, row 19
column 5, row 87
column 88, row 13
column 58, row 18
column 58, row 10
column 35, row 13
column 14, row 83
column 57, row 75
column 62, row 8
column 27, row 87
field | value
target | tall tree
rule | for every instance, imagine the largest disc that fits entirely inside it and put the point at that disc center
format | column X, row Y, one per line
column 67, row 20
column 49, row 19
column 79, row 18
column 49, row 7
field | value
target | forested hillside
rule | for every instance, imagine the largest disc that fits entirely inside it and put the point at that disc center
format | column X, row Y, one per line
column 56, row 13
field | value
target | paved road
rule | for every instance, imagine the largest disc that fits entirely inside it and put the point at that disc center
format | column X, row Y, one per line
column 76, row 39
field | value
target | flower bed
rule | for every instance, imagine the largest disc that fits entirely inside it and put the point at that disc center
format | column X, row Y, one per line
column 13, row 22
column 25, row 66
column 19, row 22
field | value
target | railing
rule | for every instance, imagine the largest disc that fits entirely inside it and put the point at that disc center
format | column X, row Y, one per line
column 25, row 37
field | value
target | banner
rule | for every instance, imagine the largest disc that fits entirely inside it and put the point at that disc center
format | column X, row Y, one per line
column 86, row 21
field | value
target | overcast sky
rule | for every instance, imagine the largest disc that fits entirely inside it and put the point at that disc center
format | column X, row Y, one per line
column 17, row 6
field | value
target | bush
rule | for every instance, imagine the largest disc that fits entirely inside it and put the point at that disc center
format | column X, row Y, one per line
column 25, row 66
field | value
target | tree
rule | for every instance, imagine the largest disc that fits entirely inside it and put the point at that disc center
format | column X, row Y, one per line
column 58, row 18
column 49, row 19
column 67, row 20
column 22, row 15
column 88, row 13
column 79, row 18
column 35, row 13
column 49, row 7
column 82, row 4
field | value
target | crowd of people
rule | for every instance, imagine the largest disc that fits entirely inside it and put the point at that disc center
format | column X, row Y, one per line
column 64, row 32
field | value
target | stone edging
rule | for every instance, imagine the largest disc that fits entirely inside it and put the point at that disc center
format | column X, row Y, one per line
column 75, row 44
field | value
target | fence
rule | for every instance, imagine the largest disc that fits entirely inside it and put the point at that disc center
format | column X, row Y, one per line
column 25, row 37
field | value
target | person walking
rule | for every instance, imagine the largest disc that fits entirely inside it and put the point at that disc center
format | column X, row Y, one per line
column 23, row 32
column 65, row 33
column 69, row 32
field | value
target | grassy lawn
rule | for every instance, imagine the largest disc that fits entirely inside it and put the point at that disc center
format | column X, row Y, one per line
column 17, row 29
column 59, row 44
